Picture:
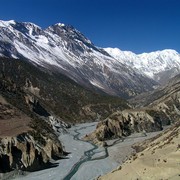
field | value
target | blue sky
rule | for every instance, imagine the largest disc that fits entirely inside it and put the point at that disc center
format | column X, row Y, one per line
column 135, row 25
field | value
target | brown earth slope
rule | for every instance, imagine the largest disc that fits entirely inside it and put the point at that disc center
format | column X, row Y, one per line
column 158, row 158
column 12, row 121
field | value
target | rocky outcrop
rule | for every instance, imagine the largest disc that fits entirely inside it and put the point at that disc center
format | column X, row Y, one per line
column 151, row 112
column 123, row 123
column 27, row 141
column 27, row 151
column 59, row 126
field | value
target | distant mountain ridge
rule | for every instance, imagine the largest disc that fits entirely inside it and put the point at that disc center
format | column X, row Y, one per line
column 65, row 49
column 158, row 65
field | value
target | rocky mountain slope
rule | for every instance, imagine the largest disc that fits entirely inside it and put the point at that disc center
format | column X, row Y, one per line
column 123, row 123
column 55, row 94
column 33, row 103
column 152, row 111
column 165, row 99
column 157, row 158
column 158, row 65
column 71, row 53
column 27, row 142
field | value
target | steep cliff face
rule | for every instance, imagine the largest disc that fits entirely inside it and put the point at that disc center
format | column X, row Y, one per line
column 27, row 141
column 27, row 152
column 123, row 123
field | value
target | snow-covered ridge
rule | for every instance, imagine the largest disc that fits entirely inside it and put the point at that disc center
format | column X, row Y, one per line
column 6, row 23
column 67, row 50
column 60, row 24
column 148, row 63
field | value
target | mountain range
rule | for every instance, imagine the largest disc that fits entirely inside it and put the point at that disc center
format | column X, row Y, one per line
column 158, row 65
column 51, row 78
column 64, row 49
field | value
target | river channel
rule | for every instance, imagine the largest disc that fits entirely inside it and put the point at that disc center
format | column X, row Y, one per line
column 87, row 154
column 85, row 161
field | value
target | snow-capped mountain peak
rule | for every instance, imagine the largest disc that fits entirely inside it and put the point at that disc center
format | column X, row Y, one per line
column 64, row 48
column 119, row 54
column 60, row 24
column 151, row 64
column 6, row 23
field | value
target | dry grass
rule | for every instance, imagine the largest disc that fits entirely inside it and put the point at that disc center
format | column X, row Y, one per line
column 159, row 159
column 14, row 126
column 12, row 121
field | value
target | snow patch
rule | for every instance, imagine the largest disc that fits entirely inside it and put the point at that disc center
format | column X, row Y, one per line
column 42, row 39
column 6, row 23
column 96, row 83
column 60, row 24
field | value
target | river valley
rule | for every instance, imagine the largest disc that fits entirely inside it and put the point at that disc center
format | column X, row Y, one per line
column 86, row 160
